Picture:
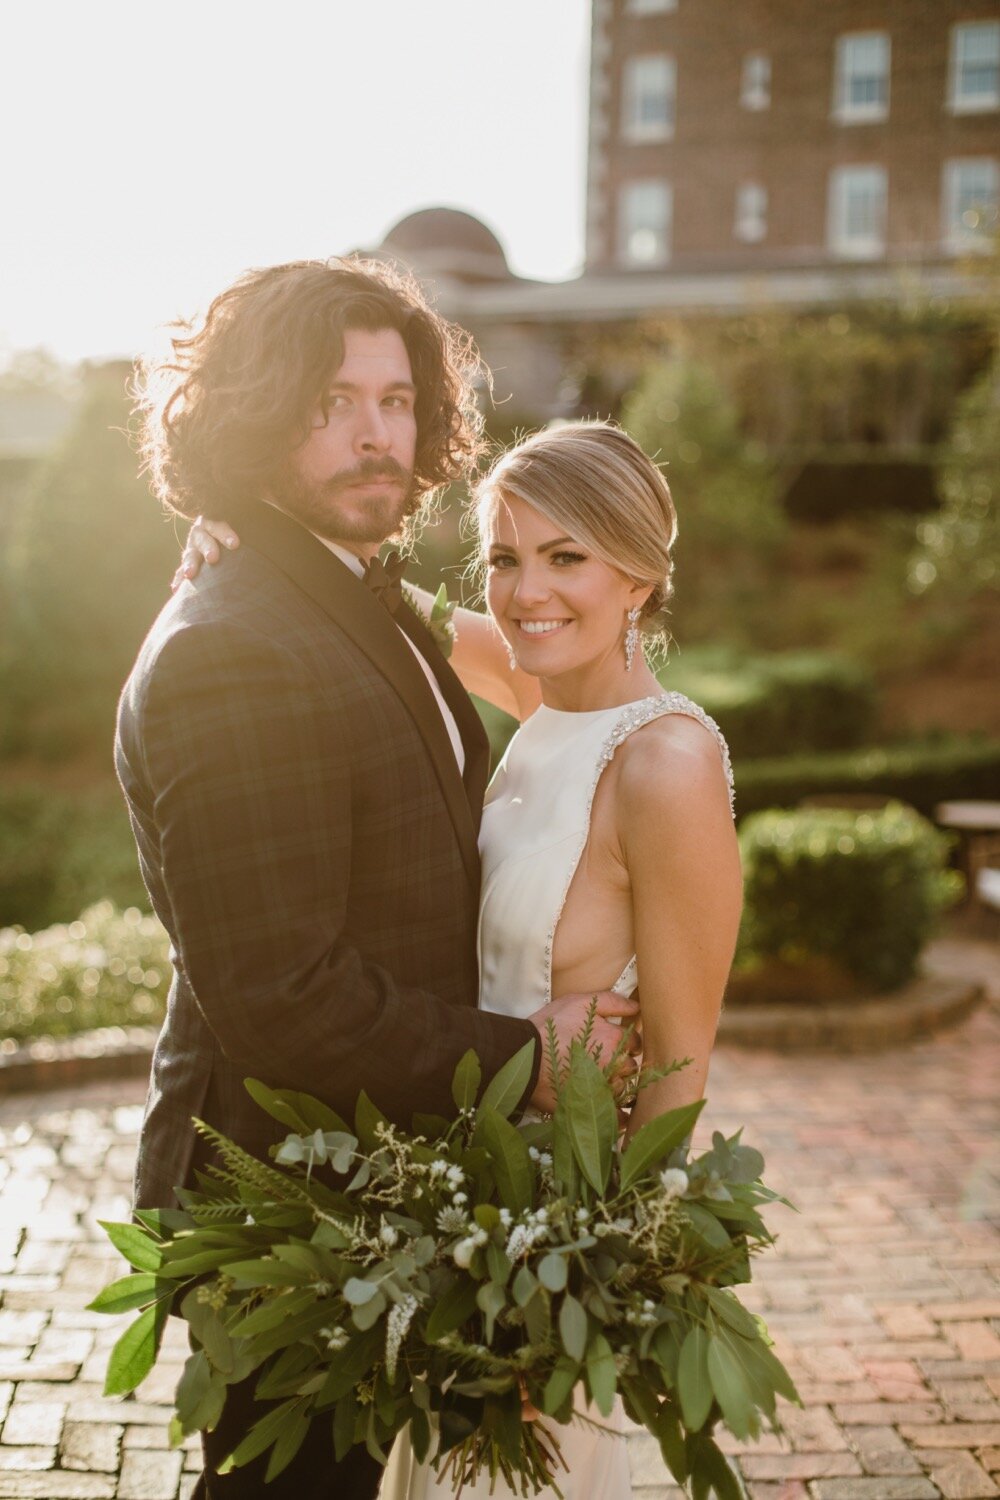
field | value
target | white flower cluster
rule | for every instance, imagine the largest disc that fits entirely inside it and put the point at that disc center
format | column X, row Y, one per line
column 399, row 1319
column 613, row 1226
column 675, row 1182
column 336, row 1338
column 642, row 1316
column 534, row 1227
column 543, row 1158
column 464, row 1250
column 388, row 1234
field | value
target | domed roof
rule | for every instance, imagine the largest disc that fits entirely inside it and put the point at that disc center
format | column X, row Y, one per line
column 449, row 239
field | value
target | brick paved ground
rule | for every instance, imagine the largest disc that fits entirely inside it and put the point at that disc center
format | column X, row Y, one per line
column 883, row 1293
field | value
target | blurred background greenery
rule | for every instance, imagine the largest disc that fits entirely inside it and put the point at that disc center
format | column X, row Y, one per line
column 837, row 574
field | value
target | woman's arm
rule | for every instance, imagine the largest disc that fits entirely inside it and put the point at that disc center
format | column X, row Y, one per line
column 479, row 656
column 679, row 845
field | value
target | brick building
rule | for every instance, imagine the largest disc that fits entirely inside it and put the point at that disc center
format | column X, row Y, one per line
column 764, row 136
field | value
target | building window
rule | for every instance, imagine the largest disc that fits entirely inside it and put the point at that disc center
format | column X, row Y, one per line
column 650, row 7
column 645, row 213
column 648, row 93
column 975, row 66
column 751, row 213
column 857, row 212
column 861, row 84
column 970, row 202
column 755, row 81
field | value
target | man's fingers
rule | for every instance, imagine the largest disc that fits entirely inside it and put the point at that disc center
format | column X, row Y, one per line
column 220, row 531
column 611, row 1004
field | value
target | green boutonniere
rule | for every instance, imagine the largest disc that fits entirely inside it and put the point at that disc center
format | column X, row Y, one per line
column 439, row 622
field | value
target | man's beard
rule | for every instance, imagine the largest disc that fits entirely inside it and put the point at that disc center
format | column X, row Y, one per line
column 379, row 517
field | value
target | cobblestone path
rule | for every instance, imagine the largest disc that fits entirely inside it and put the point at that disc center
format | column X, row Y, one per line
column 882, row 1294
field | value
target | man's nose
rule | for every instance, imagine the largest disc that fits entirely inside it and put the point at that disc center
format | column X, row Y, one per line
column 372, row 433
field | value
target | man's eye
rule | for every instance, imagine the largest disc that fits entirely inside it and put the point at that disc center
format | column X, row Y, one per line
column 401, row 402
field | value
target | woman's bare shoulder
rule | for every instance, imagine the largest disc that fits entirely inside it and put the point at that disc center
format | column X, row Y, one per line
column 674, row 765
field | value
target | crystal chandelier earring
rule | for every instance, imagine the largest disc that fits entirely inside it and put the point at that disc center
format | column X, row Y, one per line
column 631, row 637
column 511, row 657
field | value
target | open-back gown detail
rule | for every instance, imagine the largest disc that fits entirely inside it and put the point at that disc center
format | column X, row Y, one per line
column 535, row 827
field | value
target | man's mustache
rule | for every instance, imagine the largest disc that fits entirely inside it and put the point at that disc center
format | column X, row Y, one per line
column 369, row 471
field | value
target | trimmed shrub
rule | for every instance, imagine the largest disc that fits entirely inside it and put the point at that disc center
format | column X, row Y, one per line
column 923, row 774
column 109, row 968
column 859, row 891
column 778, row 704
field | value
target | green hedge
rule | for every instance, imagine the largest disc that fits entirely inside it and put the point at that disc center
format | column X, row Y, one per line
column 779, row 704
column 109, row 968
column 60, row 853
column 923, row 774
column 861, row 890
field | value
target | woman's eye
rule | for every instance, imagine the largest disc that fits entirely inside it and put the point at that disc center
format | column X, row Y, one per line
column 565, row 559
column 501, row 560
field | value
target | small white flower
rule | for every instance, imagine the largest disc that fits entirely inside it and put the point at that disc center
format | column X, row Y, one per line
column 545, row 1159
column 675, row 1182
column 451, row 1220
column 437, row 1168
column 506, row 1218
column 462, row 1253
column 388, row 1235
column 541, row 1216
column 481, row 1237
column 455, row 1175
column 459, row 1197
column 533, row 1152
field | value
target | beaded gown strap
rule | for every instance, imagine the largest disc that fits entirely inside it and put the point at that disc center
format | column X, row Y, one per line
column 634, row 716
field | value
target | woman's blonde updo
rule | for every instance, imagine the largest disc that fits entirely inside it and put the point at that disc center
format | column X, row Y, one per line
column 595, row 483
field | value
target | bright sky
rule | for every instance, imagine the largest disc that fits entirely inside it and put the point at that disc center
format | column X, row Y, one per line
column 153, row 151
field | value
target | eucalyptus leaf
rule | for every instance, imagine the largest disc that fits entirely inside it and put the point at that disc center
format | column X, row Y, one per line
column 512, row 1167
column 525, row 1286
column 602, row 1376
column 491, row 1300
column 552, row 1272
column 560, row 1384
column 732, row 1389
column 368, row 1314
column 573, row 1327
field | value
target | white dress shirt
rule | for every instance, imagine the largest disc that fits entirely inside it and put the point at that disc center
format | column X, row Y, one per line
column 357, row 567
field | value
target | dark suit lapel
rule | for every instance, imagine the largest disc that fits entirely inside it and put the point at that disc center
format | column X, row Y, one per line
column 470, row 726
column 344, row 598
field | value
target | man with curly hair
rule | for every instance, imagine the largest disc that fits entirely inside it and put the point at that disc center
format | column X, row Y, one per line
column 304, row 772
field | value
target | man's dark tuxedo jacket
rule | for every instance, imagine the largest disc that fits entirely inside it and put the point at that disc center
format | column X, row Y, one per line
column 310, row 846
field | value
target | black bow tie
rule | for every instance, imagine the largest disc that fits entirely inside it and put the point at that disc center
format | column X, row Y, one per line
column 385, row 579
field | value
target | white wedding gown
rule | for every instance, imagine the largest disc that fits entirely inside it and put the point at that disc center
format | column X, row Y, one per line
column 535, row 827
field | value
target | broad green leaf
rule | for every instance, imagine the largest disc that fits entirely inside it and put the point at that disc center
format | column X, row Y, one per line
column 164, row 1222
column 731, row 1311
column 200, row 1395
column 420, row 1435
column 668, row 1352
column 454, row 1308
column 128, row 1292
column 180, row 1267
column 136, row 1244
column 272, row 1312
column 709, row 1464
column 537, row 1319
column 465, row 1084
column 573, row 1327
column 497, row 1264
column 671, row 1440
column 134, row 1355
column 289, row 1441
column 732, row 1390
column 559, row 1385
column 693, row 1384
column 506, row 1088
column 552, row 1272
column 366, row 1117
column 705, row 1224
column 345, row 1417
column 261, row 1435
column 268, row 1272
column 763, row 1365
column 564, row 1167
column 207, row 1327
column 601, row 1374
column 512, row 1167
column 592, row 1118
column 300, row 1112
column 487, row 1216
column 657, row 1139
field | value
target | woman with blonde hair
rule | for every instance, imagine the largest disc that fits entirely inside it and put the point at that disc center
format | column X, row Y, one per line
column 609, row 856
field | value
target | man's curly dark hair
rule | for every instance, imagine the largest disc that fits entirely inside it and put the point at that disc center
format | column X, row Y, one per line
column 219, row 419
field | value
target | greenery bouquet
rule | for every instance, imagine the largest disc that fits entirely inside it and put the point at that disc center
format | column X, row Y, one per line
column 377, row 1279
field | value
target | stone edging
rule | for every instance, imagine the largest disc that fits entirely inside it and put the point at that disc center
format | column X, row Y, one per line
column 862, row 1025
column 110, row 1052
